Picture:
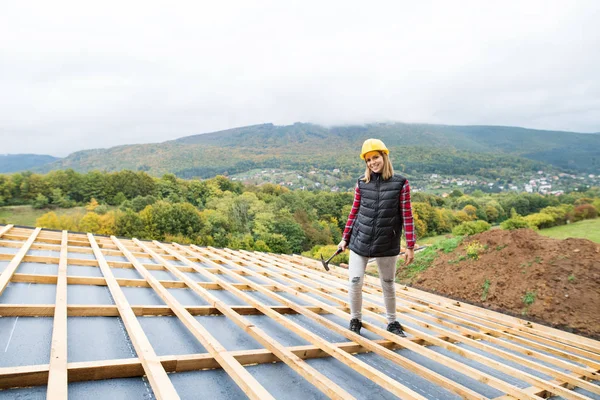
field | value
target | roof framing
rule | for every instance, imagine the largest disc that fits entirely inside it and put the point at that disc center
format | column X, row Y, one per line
column 474, row 335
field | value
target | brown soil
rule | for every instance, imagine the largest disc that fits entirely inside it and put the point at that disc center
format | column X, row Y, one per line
column 564, row 276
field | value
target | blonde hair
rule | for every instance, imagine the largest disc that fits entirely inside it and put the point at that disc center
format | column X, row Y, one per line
column 386, row 173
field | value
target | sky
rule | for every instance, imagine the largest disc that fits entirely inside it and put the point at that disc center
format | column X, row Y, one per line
column 78, row 75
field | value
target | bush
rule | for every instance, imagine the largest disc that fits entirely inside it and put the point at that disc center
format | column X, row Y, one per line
column 516, row 222
column 470, row 228
column 560, row 215
column 473, row 249
column 540, row 220
column 585, row 211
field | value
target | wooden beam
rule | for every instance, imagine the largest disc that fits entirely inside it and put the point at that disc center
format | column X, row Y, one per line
column 16, row 260
column 47, row 310
column 159, row 381
column 57, row 379
column 37, row 375
column 5, row 229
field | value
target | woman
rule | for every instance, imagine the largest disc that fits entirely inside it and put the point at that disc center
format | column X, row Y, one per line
column 381, row 209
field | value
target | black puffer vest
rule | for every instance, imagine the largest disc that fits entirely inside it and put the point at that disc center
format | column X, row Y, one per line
column 378, row 225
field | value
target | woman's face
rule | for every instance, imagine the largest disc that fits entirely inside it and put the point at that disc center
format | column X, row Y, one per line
column 374, row 161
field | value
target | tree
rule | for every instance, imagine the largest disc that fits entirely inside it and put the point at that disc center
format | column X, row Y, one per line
column 59, row 200
column 40, row 201
column 518, row 202
column 471, row 211
column 90, row 223
column 277, row 243
column 92, row 205
column 428, row 217
column 7, row 188
column 119, row 199
column 49, row 221
column 456, row 193
column 94, row 186
column 492, row 213
column 129, row 224
column 464, row 201
column 585, row 211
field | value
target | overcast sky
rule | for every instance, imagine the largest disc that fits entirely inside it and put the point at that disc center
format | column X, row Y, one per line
column 81, row 74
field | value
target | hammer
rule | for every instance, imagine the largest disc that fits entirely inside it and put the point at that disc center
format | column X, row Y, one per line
column 326, row 262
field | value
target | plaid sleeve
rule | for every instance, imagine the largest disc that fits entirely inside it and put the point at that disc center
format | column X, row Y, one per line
column 352, row 215
column 407, row 215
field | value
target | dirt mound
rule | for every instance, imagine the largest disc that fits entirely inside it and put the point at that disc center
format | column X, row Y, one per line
column 552, row 281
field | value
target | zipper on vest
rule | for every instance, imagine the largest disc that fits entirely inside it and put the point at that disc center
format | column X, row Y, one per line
column 376, row 218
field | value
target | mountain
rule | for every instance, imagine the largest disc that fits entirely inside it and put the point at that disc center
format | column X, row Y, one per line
column 20, row 162
column 421, row 148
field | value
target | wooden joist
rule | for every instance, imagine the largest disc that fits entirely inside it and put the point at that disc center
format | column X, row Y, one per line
column 157, row 376
column 57, row 379
column 7, row 274
column 47, row 310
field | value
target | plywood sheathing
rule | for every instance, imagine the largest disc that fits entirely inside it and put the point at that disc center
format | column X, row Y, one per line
column 476, row 335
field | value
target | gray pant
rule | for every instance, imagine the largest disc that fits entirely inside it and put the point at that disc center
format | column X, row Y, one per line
column 356, row 275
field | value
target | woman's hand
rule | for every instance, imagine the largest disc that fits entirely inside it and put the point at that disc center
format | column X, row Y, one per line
column 342, row 245
column 409, row 256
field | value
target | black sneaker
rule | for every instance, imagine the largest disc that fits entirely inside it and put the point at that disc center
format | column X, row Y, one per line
column 396, row 329
column 355, row 325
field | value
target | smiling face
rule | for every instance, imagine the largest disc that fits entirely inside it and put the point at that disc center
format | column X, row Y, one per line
column 374, row 161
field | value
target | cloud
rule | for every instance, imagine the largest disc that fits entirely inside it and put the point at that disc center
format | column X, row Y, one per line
column 76, row 75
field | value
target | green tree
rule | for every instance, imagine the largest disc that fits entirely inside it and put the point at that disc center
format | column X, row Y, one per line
column 40, row 201
column 94, row 186
column 456, row 193
column 129, row 224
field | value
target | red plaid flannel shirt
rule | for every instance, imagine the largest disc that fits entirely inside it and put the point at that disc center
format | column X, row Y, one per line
column 405, row 209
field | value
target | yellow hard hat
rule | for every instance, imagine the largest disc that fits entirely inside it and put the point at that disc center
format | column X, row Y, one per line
column 373, row 145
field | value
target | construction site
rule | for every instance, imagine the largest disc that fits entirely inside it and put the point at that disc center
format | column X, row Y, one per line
column 90, row 316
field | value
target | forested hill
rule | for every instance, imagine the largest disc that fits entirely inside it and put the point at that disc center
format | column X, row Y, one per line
column 416, row 147
column 20, row 162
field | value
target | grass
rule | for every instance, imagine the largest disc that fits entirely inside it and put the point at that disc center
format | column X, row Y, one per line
column 432, row 239
column 528, row 300
column 588, row 229
column 486, row 289
column 26, row 215
column 424, row 258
